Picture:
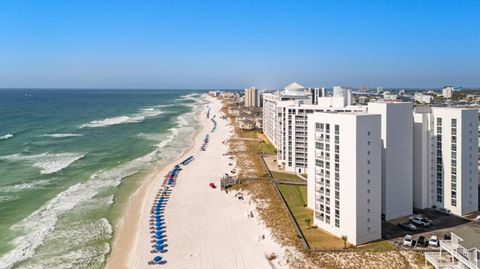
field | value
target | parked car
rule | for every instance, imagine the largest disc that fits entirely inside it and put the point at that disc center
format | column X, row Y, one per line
column 477, row 218
column 407, row 240
column 419, row 221
column 443, row 210
column 408, row 226
column 433, row 241
column 422, row 242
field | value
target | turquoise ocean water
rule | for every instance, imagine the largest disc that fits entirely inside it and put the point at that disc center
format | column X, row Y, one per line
column 69, row 159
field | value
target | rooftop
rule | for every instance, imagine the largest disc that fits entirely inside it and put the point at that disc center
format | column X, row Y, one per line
column 470, row 237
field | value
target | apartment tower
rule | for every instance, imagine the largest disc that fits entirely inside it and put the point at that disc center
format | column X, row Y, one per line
column 344, row 174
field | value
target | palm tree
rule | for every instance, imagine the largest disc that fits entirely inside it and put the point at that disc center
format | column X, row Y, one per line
column 344, row 238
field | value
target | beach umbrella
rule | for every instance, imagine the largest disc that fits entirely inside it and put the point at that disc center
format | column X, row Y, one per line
column 157, row 258
column 158, row 236
column 160, row 241
column 159, row 247
column 158, row 233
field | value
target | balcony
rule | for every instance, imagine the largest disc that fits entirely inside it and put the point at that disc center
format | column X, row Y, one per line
column 453, row 249
column 319, row 155
column 441, row 260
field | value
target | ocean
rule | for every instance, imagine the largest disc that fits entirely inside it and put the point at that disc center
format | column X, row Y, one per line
column 69, row 160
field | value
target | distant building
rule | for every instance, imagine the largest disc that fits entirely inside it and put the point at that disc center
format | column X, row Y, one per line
column 285, row 122
column 259, row 99
column 423, row 98
column 387, row 96
column 317, row 93
column 251, row 97
column 363, row 88
column 344, row 92
column 214, row 93
column 344, row 174
column 397, row 143
column 447, row 92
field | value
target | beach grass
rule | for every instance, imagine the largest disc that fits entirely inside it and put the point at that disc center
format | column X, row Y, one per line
column 286, row 176
column 275, row 216
column 296, row 198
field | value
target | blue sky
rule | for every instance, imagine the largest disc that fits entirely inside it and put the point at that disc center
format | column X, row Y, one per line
column 235, row 44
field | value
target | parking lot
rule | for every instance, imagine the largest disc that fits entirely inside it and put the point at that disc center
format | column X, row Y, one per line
column 440, row 225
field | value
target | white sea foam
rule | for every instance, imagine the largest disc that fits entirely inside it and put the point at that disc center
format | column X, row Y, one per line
column 5, row 137
column 48, row 163
column 135, row 118
column 112, row 121
column 25, row 186
column 8, row 198
column 41, row 223
column 181, row 121
column 62, row 135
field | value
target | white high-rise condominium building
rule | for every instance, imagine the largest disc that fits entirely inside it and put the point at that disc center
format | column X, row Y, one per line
column 446, row 143
column 285, row 123
column 344, row 174
column 447, row 92
column 317, row 93
column 397, row 154
column 339, row 91
column 250, row 97
column 295, row 93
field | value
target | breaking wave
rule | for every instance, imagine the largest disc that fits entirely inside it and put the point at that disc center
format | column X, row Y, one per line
column 135, row 118
column 48, row 163
column 5, row 137
column 62, row 135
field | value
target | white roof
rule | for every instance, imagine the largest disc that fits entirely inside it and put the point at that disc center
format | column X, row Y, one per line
column 294, row 89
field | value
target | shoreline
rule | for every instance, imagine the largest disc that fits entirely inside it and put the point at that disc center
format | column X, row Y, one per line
column 205, row 227
column 130, row 218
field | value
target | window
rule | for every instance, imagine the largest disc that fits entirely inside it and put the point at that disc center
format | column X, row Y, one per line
column 337, row 223
column 337, row 129
column 439, row 121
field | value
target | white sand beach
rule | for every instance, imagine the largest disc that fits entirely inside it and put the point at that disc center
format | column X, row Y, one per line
column 205, row 227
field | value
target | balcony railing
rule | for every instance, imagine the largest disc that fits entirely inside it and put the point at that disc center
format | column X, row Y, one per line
column 452, row 249
column 441, row 261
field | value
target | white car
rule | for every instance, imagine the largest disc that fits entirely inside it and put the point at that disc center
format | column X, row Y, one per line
column 407, row 240
column 419, row 221
column 443, row 210
column 433, row 241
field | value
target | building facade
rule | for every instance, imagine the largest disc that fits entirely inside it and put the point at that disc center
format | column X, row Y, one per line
column 285, row 122
column 397, row 154
column 251, row 97
column 449, row 178
column 447, row 92
column 344, row 174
